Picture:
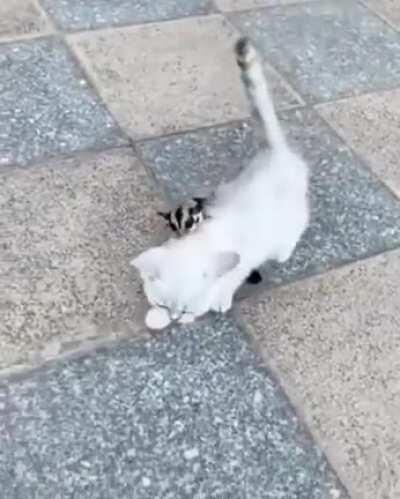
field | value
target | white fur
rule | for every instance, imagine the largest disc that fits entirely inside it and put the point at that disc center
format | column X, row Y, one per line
column 259, row 216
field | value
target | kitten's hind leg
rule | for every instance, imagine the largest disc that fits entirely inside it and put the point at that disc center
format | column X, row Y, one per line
column 254, row 277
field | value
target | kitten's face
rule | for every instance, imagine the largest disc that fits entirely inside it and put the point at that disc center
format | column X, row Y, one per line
column 181, row 283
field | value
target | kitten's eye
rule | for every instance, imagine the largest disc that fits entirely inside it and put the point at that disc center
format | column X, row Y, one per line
column 189, row 223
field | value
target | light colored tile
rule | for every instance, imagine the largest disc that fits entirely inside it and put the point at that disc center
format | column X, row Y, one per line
column 20, row 18
column 388, row 9
column 68, row 229
column 231, row 5
column 160, row 78
column 371, row 125
column 334, row 343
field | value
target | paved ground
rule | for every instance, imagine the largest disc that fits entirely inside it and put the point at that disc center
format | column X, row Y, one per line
column 108, row 108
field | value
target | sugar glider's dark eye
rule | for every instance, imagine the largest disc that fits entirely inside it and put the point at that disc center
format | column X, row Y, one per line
column 173, row 227
column 189, row 223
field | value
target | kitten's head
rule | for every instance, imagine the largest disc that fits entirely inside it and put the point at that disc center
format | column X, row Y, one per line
column 181, row 281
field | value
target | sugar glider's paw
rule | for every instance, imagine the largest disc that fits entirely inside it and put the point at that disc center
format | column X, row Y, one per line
column 157, row 318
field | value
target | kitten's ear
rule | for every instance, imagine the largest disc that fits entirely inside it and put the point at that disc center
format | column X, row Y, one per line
column 225, row 262
column 164, row 214
column 149, row 262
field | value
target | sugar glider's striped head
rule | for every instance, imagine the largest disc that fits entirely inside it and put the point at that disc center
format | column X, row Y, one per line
column 186, row 218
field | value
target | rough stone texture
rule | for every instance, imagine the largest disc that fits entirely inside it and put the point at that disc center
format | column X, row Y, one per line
column 21, row 17
column 81, row 14
column 46, row 105
column 371, row 125
column 165, row 85
column 190, row 414
column 352, row 214
column 230, row 5
column 68, row 229
column 388, row 9
column 327, row 49
column 334, row 342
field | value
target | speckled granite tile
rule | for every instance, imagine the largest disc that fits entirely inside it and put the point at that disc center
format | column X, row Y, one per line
column 326, row 49
column 20, row 18
column 68, row 229
column 334, row 342
column 370, row 124
column 80, row 14
column 388, row 9
column 231, row 5
column 352, row 214
column 47, row 106
column 6, row 446
column 188, row 414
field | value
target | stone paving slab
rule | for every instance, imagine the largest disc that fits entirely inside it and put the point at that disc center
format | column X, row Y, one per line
column 231, row 5
column 326, row 49
column 73, row 15
column 388, row 9
column 371, row 125
column 188, row 415
column 47, row 106
column 334, row 342
column 353, row 215
column 165, row 85
column 21, row 17
column 68, row 229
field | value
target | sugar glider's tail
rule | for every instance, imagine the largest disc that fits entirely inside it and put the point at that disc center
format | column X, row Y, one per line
column 256, row 86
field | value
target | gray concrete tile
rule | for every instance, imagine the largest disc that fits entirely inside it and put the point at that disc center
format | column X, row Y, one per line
column 75, row 15
column 68, row 229
column 21, row 18
column 352, row 214
column 334, row 342
column 155, row 84
column 188, row 414
column 327, row 49
column 47, row 106
column 388, row 9
column 370, row 125
column 231, row 5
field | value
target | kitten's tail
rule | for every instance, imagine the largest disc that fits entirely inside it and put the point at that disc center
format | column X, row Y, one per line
column 257, row 90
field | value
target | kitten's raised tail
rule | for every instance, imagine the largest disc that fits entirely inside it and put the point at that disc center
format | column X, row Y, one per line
column 256, row 86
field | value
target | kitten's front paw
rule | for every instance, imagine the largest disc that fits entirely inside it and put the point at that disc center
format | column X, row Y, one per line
column 186, row 318
column 222, row 305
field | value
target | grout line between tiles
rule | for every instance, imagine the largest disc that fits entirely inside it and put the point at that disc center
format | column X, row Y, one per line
column 379, row 15
column 289, row 393
column 361, row 158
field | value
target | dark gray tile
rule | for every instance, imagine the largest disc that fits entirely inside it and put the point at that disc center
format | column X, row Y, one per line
column 80, row 14
column 353, row 215
column 327, row 49
column 187, row 415
column 195, row 162
column 46, row 105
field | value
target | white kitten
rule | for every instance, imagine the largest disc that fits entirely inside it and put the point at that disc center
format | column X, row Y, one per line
column 259, row 216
